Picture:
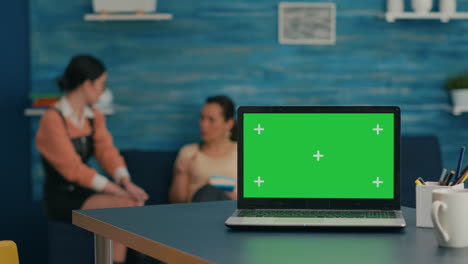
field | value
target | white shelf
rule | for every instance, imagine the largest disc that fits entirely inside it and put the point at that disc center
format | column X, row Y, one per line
column 34, row 111
column 127, row 17
column 39, row 111
column 392, row 16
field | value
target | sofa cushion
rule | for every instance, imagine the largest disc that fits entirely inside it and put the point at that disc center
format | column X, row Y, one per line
column 151, row 170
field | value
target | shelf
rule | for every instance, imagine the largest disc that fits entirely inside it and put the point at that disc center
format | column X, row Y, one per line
column 34, row 111
column 39, row 111
column 391, row 16
column 127, row 17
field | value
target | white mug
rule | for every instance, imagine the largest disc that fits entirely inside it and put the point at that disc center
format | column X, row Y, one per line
column 450, row 217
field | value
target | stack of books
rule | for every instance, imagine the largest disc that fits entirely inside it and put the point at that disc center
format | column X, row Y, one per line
column 43, row 100
column 40, row 102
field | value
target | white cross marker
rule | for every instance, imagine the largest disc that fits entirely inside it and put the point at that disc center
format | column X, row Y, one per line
column 259, row 129
column 259, row 181
column 377, row 129
column 378, row 182
column 318, row 155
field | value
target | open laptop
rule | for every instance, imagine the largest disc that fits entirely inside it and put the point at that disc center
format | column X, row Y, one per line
column 318, row 167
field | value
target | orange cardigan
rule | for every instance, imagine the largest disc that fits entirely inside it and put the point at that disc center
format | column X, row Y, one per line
column 55, row 146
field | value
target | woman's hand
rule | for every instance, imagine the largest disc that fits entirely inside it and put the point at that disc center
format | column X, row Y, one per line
column 232, row 195
column 115, row 189
column 135, row 192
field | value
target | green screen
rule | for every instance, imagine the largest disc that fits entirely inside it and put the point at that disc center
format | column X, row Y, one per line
column 316, row 155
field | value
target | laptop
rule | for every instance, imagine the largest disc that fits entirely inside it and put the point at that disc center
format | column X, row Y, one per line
column 318, row 167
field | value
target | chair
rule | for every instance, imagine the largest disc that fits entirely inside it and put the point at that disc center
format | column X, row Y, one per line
column 8, row 252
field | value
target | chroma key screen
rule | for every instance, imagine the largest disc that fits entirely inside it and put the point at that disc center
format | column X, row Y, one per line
column 318, row 155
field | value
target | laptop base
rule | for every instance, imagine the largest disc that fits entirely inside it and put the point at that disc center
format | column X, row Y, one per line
column 236, row 221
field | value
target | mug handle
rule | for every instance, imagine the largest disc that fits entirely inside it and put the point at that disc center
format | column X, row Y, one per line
column 436, row 205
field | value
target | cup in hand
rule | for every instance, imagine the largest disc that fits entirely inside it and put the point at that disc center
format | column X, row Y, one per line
column 450, row 215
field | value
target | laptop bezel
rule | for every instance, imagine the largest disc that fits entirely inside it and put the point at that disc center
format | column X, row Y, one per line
column 318, row 203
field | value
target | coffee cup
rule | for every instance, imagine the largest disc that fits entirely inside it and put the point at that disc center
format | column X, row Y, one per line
column 450, row 217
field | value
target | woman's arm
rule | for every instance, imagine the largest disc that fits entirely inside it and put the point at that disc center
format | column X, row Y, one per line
column 112, row 188
column 109, row 157
column 179, row 191
column 232, row 195
column 135, row 192
column 106, row 153
column 180, row 187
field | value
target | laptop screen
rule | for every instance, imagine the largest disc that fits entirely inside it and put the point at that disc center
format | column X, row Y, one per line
column 318, row 155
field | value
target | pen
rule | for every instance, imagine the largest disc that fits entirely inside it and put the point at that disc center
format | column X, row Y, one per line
column 462, row 174
column 464, row 178
column 442, row 175
column 443, row 178
column 460, row 161
column 461, row 178
column 457, row 179
column 449, row 177
column 464, row 170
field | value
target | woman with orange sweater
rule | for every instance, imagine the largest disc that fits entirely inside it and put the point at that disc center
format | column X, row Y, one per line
column 70, row 133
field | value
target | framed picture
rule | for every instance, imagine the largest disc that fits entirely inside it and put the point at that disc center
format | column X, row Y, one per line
column 306, row 23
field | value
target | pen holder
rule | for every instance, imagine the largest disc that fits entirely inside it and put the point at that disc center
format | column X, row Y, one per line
column 424, row 201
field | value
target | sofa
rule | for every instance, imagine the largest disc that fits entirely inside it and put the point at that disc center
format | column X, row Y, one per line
column 152, row 170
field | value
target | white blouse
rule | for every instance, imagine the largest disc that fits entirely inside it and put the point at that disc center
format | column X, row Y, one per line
column 200, row 166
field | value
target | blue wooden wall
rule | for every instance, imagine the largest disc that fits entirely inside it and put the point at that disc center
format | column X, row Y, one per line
column 161, row 72
column 16, row 207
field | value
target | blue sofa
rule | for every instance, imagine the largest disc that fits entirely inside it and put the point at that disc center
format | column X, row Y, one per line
column 420, row 157
column 153, row 171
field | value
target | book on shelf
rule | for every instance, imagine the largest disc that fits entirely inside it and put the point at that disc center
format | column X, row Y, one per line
column 44, row 100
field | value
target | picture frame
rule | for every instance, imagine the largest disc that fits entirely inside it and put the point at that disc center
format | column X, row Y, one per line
column 306, row 23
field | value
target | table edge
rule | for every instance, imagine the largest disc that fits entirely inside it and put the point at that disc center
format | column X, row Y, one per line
column 144, row 245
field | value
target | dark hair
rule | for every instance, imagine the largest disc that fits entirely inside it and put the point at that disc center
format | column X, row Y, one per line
column 227, row 105
column 80, row 69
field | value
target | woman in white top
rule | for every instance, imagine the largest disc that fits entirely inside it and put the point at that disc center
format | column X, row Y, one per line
column 215, row 157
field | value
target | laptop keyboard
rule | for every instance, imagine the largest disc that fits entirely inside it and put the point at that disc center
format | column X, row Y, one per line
column 317, row 214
